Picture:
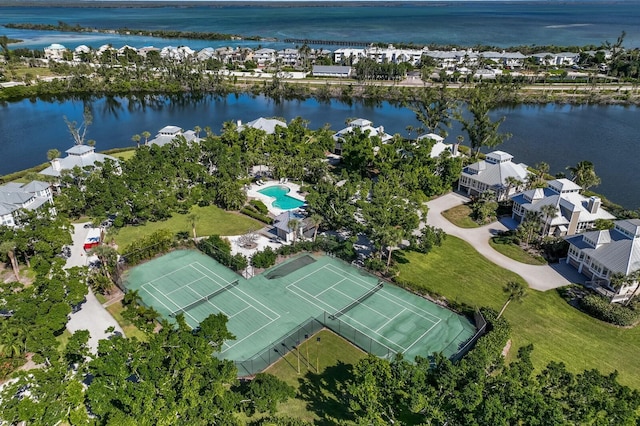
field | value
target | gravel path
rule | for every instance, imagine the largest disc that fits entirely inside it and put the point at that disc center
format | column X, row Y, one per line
column 539, row 277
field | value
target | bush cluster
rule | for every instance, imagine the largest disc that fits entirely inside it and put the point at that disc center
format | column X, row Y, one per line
column 613, row 313
column 220, row 250
column 342, row 249
column 260, row 206
column 253, row 212
column 149, row 246
column 265, row 258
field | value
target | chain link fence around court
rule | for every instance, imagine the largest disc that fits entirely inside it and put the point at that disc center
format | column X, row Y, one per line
column 287, row 343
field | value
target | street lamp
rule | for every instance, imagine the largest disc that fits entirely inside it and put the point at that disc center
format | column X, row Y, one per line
column 318, row 355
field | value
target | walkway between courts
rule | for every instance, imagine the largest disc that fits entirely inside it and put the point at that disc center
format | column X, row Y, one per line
column 539, row 277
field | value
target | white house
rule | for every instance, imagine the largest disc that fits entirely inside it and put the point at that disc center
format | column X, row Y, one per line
column 15, row 196
column 81, row 52
column 492, row 173
column 268, row 125
column 264, row 56
column 282, row 222
column 575, row 213
column 348, row 56
column 438, row 145
column 365, row 126
column 79, row 155
column 289, row 57
column 169, row 133
column 54, row 52
column 601, row 254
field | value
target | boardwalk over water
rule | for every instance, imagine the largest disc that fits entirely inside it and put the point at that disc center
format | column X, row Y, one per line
column 328, row 42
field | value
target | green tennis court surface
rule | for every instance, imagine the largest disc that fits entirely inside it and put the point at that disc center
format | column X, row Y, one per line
column 262, row 310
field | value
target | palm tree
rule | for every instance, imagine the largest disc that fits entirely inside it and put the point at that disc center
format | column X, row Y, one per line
column 146, row 135
column 136, row 139
column 512, row 182
column 315, row 220
column 391, row 239
column 107, row 256
column 52, row 154
column 549, row 211
column 193, row 220
column 9, row 248
column 584, row 174
column 294, row 225
column 197, row 130
column 516, row 291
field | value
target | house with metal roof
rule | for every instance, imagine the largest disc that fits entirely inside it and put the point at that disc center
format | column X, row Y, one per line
column 267, row 125
column 365, row 126
column 492, row 173
column 168, row 133
column 15, row 196
column 575, row 213
column 602, row 254
column 332, row 71
column 438, row 145
column 77, row 156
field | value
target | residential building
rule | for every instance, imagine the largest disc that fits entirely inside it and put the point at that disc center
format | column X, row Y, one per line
column 575, row 213
column 81, row 52
column 338, row 71
column 365, row 126
column 78, row 156
column 438, row 145
column 493, row 174
column 601, row 254
column 282, row 222
column 268, row 125
column 15, row 196
column 288, row 57
column 264, row 56
column 348, row 56
column 168, row 133
column 54, row 52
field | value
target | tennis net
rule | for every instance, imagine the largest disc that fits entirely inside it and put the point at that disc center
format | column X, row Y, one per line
column 357, row 301
column 204, row 299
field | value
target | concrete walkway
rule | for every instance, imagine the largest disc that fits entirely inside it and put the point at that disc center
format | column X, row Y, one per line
column 92, row 316
column 539, row 277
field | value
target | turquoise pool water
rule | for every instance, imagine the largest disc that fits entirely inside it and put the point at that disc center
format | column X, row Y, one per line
column 282, row 200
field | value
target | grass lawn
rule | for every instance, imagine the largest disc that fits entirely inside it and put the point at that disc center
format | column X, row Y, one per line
column 557, row 331
column 129, row 329
column 63, row 340
column 212, row 221
column 460, row 216
column 125, row 155
column 318, row 395
column 515, row 252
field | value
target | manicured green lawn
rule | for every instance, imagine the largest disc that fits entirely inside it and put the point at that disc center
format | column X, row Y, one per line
column 63, row 340
column 318, row 395
column 557, row 331
column 517, row 253
column 129, row 329
column 125, row 155
column 460, row 216
column 211, row 221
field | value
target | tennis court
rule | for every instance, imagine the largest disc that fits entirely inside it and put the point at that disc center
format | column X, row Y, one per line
column 268, row 306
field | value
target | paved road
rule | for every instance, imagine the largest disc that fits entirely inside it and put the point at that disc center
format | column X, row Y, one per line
column 92, row 316
column 539, row 277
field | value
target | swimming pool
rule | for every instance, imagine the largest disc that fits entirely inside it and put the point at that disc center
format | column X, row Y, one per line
column 282, row 200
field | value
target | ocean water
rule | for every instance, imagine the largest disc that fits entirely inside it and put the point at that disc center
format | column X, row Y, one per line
column 499, row 24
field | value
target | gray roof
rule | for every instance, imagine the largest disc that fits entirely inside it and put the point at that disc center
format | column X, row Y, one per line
column 614, row 250
column 14, row 196
column 331, row 69
column 266, row 124
column 495, row 174
column 80, row 156
column 282, row 220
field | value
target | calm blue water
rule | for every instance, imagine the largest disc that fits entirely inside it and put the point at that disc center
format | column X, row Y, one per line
column 561, row 135
column 467, row 24
column 282, row 200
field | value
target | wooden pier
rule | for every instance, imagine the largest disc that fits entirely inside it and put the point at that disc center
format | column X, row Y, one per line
column 328, row 42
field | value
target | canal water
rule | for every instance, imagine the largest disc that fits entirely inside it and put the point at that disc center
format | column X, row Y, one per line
column 561, row 135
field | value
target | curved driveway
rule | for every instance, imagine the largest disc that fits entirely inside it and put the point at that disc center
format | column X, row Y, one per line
column 539, row 277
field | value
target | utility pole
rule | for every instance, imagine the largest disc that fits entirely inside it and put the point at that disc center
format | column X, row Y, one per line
column 318, row 355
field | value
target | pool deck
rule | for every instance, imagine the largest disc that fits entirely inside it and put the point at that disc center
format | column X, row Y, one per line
column 252, row 192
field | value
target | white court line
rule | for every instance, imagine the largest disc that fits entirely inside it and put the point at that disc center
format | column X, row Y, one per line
column 363, row 305
column 237, row 342
column 390, row 319
column 416, row 311
column 329, row 288
column 217, row 308
column 233, row 290
column 422, row 335
column 186, row 285
column 167, row 274
column 295, row 283
column 353, row 319
column 162, row 303
column 239, row 312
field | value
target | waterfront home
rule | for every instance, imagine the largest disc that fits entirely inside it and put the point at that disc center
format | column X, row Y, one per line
column 54, row 52
column 365, row 126
column 605, row 255
column 268, row 125
column 78, row 156
column 288, row 57
column 390, row 54
column 81, row 52
column 439, row 146
column 338, row 71
column 575, row 213
column 15, row 196
column 180, row 54
column 348, row 56
column 264, row 56
column 168, row 133
column 493, row 174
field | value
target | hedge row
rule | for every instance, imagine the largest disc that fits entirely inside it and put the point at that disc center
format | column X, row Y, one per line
column 601, row 308
column 256, row 215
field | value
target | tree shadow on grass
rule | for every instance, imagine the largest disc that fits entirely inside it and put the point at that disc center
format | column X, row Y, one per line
column 324, row 393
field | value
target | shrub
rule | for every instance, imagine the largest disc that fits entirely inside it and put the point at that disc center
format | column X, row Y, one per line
column 265, row 258
column 601, row 308
column 256, row 215
column 260, row 206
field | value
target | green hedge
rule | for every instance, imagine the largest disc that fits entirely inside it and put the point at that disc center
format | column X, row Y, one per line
column 260, row 206
column 256, row 215
column 601, row 308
